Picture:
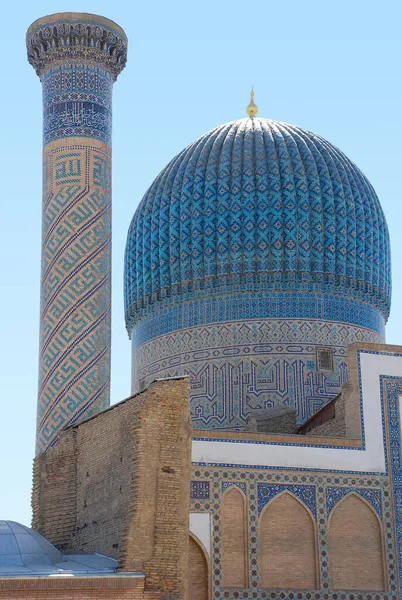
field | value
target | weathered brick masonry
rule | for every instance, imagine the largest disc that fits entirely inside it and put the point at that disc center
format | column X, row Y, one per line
column 76, row 588
column 115, row 483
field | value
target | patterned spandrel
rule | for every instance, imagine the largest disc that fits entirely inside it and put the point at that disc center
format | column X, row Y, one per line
column 267, row 492
column 257, row 204
column 336, row 494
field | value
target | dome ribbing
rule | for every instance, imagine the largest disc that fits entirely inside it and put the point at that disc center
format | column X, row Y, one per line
column 257, row 205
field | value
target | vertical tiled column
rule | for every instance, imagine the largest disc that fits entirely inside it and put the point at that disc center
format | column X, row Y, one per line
column 77, row 57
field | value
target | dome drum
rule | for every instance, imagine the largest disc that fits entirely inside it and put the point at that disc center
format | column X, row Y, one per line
column 252, row 351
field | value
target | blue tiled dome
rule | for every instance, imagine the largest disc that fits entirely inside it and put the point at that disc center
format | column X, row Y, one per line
column 257, row 205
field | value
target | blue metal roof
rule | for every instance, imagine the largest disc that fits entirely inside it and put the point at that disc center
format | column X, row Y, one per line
column 25, row 552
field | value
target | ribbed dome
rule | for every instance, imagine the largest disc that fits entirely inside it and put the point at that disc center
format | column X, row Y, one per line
column 25, row 552
column 253, row 205
column 23, row 547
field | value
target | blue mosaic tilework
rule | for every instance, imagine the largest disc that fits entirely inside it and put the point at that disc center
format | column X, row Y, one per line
column 239, row 484
column 199, row 490
column 257, row 305
column 74, row 352
column 77, row 101
column 240, row 366
column 335, row 494
column 306, row 493
column 393, row 392
column 257, row 205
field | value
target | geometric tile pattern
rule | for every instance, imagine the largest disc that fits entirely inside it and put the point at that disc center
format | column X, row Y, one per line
column 237, row 367
column 199, row 490
column 260, row 306
column 239, row 484
column 257, row 205
column 372, row 496
column 77, row 101
column 391, row 388
column 306, row 493
column 74, row 358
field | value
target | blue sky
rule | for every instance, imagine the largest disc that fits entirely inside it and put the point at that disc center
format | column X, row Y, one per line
column 330, row 67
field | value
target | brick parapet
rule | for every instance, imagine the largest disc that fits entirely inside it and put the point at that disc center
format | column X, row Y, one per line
column 80, row 588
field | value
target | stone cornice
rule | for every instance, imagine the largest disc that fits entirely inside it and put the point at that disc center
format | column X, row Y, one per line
column 76, row 36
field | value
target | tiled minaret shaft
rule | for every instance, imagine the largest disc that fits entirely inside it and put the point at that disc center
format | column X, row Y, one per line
column 77, row 57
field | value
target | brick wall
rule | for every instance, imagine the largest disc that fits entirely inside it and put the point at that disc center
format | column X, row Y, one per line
column 333, row 418
column 79, row 588
column 104, row 468
column 356, row 560
column 287, row 545
column 272, row 420
column 158, row 527
column 234, row 540
column 198, row 573
column 54, row 492
column 119, row 484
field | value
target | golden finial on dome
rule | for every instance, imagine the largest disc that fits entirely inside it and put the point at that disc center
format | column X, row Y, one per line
column 252, row 108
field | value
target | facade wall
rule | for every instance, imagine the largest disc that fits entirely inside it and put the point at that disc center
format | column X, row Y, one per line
column 292, row 548
column 54, row 492
column 105, row 452
column 294, row 491
column 338, row 532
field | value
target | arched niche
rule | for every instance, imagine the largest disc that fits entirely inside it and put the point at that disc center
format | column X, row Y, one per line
column 198, row 571
column 287, row 545
column 355, row 544
column 234, row 539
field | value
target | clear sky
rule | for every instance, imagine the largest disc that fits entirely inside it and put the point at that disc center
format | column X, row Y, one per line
column 332, row 67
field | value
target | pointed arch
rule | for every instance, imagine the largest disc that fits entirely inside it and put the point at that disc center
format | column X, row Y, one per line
column 287, row 543
column 234, row 538
column 198, row 570
column 355, row 546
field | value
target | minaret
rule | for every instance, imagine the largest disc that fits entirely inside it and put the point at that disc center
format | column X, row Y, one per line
column 78, row 57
